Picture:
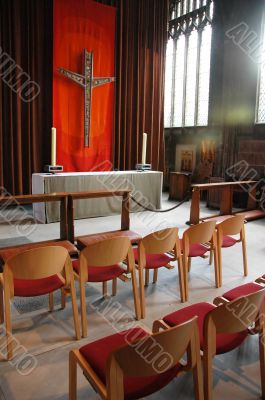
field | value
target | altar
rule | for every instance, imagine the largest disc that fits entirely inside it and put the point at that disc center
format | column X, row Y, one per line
column 146, row 187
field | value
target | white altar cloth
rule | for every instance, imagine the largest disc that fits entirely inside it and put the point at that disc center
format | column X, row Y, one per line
column 146, row 187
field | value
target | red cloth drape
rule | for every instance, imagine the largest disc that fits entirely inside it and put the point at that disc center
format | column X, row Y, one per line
column 26, row 38
column 79, row 25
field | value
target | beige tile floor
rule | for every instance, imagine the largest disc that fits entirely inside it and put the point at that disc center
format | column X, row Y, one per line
column 49, row 337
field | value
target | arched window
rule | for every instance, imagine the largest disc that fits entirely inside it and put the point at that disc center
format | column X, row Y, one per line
column 188, row 63
column 260, row 109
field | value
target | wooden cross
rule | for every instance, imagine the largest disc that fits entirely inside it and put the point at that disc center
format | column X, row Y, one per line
column 88, row 82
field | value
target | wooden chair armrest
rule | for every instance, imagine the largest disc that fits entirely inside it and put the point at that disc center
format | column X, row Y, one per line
column 159, row 324
column 260, row 280
column 220, row 300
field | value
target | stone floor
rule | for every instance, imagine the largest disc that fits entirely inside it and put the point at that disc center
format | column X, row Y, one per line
column 48, row 337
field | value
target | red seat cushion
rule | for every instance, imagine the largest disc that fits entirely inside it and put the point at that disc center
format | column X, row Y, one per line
column 153, row 261
column 97, row 354
column 100, row 274
column 224, row 341
column 229, row 241
column 196, row 249
column 36, row 287
column 242, row 290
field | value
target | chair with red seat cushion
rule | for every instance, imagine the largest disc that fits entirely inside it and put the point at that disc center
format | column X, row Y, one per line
column 133, row 364
column 224, row 342
column 237, row 292
column 103, row 274
column 36, row 272
column 156, row 250
column 225, row 232
column 222, row 329
column 196, row 242
column 102, row 261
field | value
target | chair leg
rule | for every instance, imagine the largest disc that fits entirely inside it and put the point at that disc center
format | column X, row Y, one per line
column 211, row 257
column 104, row 288
column 146, row 277
column 208, row 376
column 245, row 262
column 72, row 376
column 155, row 276
column 142, row 295
column 9, row 340
column 181, row 281
column 198, row 379
column 136, row 296
column 83, row 309
column 63, row 296
column 2, row 314
column 262, row 350
column 114, row 287
column 189, row 263
column 75, row 309
column 186, row 277
column 217, row 272
column 220, row 268
column 51, row 302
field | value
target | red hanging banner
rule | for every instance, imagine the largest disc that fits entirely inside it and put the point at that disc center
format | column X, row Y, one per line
column 80, row 25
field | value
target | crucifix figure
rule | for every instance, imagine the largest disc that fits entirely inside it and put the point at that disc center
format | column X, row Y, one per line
column 88, row 82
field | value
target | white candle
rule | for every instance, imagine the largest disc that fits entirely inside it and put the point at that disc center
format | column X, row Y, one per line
column 144, row 148
column 53, row 147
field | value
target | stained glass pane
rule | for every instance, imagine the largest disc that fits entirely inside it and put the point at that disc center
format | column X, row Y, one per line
column 179, row 81
column 191, row 78
column 168, row 83
column 184, row 7
column 261, row 93
column 204, row 76
column 187, row 76
column 179, row 9
column 211, row 10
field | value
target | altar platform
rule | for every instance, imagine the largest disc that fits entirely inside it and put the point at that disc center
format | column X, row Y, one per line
column 145, row 186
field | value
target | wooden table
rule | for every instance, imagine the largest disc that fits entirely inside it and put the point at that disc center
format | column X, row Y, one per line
column 67, row 200
column 125, row 208
column 226, row 197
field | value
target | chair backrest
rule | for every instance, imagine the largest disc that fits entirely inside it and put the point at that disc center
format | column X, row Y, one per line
column 200, row 233
column 231, row 226
column 233, row 317
column 152, row 355
column 161, row 241
column 106, row 252
column 37, row 263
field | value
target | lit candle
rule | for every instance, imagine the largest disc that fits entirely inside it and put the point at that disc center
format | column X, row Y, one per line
column 144, row 148
column 53, row 147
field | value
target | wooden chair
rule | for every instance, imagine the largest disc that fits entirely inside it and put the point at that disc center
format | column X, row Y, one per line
column 154, row 251
column 36, row 272
column 224, row 232
column 222, row 329
column 121, row 366
column 196, row 242
column 101, row 262
column 240, row 291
